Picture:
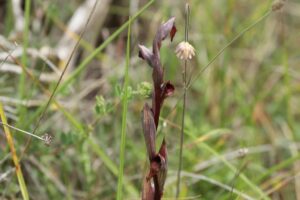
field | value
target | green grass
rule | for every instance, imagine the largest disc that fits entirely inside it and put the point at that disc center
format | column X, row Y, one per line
column 125, row 98
column 244, row 93
column 22, row 86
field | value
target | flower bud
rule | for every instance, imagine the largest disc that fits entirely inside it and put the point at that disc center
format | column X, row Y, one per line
column 144, row 89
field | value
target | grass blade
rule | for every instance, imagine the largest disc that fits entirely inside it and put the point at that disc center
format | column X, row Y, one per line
column 251, row 185
column 124, row 117
column 22, row 89
column 111, row 165
column 14, row 155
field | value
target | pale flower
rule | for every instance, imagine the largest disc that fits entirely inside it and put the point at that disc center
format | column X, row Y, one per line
column 185, row 51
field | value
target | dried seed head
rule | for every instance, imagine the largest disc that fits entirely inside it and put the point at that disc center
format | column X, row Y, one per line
column 47, row 138
column 185, row 51
column 243, row 152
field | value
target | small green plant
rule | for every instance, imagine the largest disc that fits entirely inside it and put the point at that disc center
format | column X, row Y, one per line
column 101, row 105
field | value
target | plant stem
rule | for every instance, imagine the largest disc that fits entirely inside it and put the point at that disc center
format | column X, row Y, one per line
column 184, row 103
column 124, row 118
column 22, row 79
column 22, row 131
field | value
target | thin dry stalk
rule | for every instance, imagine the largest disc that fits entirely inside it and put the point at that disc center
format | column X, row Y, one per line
column 184, row 51
column 184, row 98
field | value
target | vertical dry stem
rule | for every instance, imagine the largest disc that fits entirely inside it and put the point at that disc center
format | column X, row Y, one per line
column 184, row 102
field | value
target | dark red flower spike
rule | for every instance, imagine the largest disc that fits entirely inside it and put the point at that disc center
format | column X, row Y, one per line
column 150, row 116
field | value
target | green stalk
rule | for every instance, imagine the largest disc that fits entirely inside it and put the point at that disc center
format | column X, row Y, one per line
column 124, row 118
column 111, row 166
column 9, row 21
column 280, row 166
column 24, row 59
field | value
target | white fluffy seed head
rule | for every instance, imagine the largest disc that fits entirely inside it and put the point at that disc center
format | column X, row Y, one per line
column 185, row 51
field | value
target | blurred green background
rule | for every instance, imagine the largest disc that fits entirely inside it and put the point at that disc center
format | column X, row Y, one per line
column 242, row 132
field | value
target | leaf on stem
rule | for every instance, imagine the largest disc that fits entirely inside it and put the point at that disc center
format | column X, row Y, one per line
column 162, row 173
column 149, row 131
column 168, row 28
column 148, row 190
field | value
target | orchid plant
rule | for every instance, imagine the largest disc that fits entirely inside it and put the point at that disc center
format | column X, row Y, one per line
column 154, row 181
